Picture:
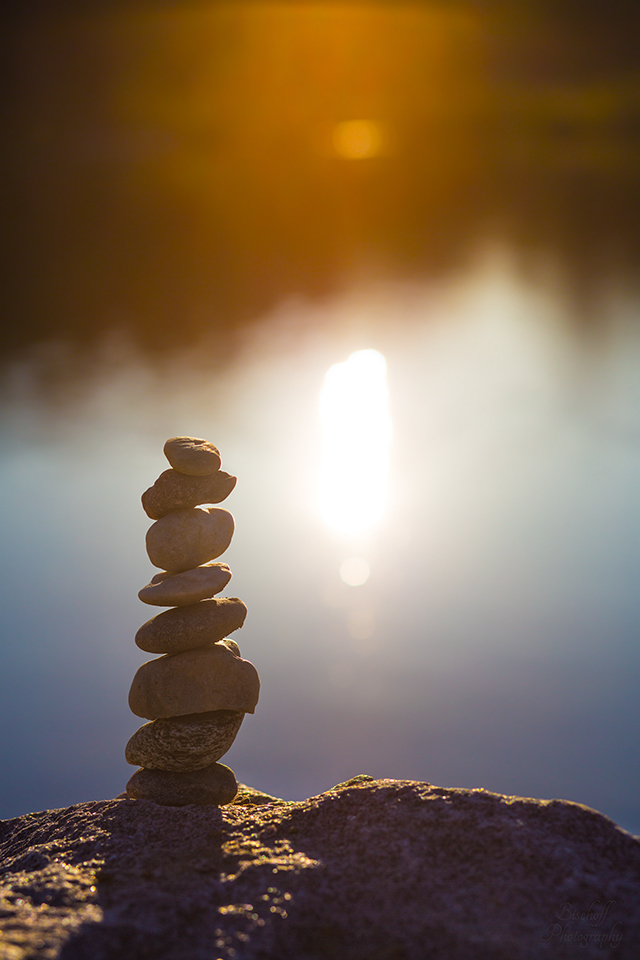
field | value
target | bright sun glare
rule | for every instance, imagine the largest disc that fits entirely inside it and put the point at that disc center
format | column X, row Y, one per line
column 356, row 435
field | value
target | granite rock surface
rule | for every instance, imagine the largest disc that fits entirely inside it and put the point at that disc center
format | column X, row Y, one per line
column 369, row 870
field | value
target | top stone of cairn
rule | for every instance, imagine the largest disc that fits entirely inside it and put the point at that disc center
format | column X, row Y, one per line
column 190, row 455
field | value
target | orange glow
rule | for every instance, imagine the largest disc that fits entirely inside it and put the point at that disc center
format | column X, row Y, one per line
column 357, row 139
column 255, row 99
column 227, row 135
column 199, row 161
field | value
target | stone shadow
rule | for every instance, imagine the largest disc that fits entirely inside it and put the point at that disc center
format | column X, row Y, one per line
column 158, row 886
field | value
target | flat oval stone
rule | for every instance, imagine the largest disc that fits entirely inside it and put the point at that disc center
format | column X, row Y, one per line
column 188, row 538
column 179, row 589
column 184, row 743
column 214, row 785
column 193, row 456
column 196, row 681
column 185, row 628
column 177, row 491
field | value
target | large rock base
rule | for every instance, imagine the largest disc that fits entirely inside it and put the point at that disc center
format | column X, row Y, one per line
column 370, row 870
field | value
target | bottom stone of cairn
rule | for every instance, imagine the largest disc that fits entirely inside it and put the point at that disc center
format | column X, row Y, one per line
column 191, row 742
column 215, row 784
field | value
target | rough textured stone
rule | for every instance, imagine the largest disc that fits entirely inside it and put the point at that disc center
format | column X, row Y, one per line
column 377, row 870
column 197, row 681
column 188, row 538
column 177, row 491
column 180, row 589
column 215, row 784
column 184, row 628
column 192, row 456
column 184, row 743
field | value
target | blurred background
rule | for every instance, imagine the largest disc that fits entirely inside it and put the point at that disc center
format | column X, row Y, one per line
column 385, row 256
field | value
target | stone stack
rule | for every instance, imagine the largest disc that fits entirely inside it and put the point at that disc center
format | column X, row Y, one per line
column 197, row 693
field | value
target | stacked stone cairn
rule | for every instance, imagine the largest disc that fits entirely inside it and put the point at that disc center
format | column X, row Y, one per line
column 195, row 694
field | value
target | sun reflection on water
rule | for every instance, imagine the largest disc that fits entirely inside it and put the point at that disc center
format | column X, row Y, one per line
column 356, row 428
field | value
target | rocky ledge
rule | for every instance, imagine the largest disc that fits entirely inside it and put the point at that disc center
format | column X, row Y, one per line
column 370, row 870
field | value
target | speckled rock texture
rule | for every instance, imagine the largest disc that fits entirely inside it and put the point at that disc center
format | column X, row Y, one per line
column 184, row 743
column 189, row 538
column 177, row 491
column 191, row 586
column 370, row 870
column 195, row 625
column 196, row 681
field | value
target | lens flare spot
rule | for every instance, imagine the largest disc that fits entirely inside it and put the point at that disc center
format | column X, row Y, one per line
column 357, row 139
column 355, row 571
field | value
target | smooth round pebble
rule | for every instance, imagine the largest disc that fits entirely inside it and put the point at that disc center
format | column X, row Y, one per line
column 180, row 589
column 189, row 538
column 215, row 785
column 196, row 625
column 184, row 743
column 196, row 681
column 177, row 491
column 192, row 455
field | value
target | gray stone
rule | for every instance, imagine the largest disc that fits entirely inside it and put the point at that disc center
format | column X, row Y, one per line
column 180, row 589
column 184, row 743
column 192, row 456
column 214, row 785
column 197, row 681
column 375, row 870
column 177, row 491
column 196, row 625
column 189, row 538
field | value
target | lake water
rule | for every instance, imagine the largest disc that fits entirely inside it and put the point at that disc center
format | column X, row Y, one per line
column 495, row 642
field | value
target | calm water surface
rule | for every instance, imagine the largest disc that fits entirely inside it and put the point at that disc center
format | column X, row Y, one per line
column 494, row 643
